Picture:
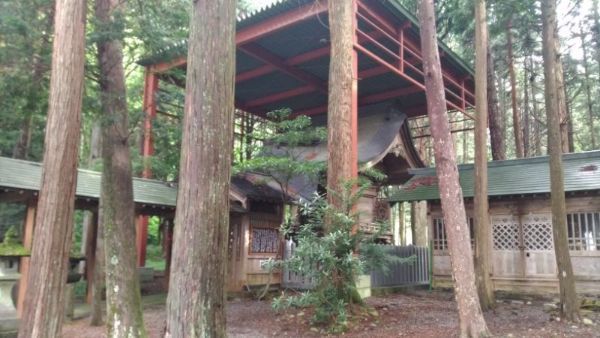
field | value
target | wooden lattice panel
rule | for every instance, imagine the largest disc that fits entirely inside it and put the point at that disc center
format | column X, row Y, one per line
column 506, row 232
column 537, row 232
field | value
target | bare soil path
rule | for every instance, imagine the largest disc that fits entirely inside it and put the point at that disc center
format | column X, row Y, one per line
column 419, row 314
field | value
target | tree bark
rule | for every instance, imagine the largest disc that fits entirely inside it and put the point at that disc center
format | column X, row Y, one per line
column 123, row 298
column 526, row 114
column 495, row 119
column 568, row 297
column 517, row 129
column 483, row 250
column 537, row 139
column 44, row 301
column 196, row 301
column 561, row 97
column 341, row 115
column 588, row 90
column 472, row 323
column 419, row 223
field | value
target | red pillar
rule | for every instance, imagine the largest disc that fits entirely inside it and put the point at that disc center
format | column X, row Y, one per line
column 149, row 108
column 354, row 124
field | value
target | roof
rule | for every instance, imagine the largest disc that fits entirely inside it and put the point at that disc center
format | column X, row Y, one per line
column 380, row 128
column 297, row 59
column 281, row 6
column 511, row 177
column 26, row 175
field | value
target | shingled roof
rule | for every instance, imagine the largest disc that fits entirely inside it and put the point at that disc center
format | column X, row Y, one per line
column 511, row 177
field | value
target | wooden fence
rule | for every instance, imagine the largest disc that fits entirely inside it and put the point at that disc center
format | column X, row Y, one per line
column 413, row 273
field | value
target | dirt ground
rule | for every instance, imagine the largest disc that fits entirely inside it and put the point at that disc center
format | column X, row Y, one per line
column 418, row 314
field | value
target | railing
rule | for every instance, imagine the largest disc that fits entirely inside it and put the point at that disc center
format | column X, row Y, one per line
column 411, row 273
column 290, row 279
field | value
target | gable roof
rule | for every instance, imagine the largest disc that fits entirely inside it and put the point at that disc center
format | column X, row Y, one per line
column 511, row 177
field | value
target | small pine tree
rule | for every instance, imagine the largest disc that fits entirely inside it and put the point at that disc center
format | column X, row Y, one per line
column 329, row 258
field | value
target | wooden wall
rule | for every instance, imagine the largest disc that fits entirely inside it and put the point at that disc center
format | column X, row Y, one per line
column 528, row 270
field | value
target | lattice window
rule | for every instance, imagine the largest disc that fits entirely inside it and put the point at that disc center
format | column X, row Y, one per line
column 506, row 232
column 537, row 232
column 440, row 239
column 583, row 230
column 264, row 234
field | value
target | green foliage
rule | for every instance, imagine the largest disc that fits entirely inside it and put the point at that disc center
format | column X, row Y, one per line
column 327, row 242
column 11, row 245
column 282, row 155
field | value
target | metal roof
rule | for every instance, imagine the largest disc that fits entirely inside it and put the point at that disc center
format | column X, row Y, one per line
column 511, row 177
column 309, row 35
column 27, row 175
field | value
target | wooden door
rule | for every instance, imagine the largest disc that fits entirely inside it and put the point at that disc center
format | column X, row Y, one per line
column 507, row 258
column 538, row 245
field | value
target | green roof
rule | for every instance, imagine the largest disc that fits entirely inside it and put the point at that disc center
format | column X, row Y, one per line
column 511, row 177
column 26, row 175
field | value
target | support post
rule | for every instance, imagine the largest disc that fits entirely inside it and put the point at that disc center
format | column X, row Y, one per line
column 28, row 227
column 149, row 108
column 90, row 256
column 141, row 239
column 354, row 121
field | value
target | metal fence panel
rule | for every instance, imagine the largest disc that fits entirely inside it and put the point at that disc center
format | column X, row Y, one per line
column 404, row 274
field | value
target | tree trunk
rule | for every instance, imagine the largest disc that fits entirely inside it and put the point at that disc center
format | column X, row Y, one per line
column 526, row 114
column 568, row 297
column 537, row 139
column 483, row 250
column 196, row 301
column 44, row 301
column 117, row 219
column 517, row 129
column 495, row 119
column 561, row 96
column 401, row 224
column 588, row 91
column 341, row 114
column 472, row 323
column 419, row 223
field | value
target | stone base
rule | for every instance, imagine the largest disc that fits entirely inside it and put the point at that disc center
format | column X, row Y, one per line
column 363, row 286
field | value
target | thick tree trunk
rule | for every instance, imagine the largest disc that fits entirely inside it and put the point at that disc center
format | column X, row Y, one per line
column 123, row 298
column 44, row 301
column 196, row 301
column 472, row 323
column 568, row 297
column 341, row 113
column 517, row 129
column 495, row 119
column 483, row 250
column 588, row 91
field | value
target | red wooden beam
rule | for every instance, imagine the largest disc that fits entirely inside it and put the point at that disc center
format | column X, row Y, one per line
column 279, row 22
column 279, row 96
column 149, row 109
column 276, row 61
column 365, row 100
